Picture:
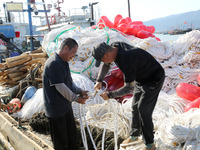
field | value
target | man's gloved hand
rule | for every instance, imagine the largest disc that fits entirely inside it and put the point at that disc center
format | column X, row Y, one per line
column 98, row 86
column 105, row 96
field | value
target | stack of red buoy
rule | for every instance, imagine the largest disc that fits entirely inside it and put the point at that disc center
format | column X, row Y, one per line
column 191, row 93
column 127, row 26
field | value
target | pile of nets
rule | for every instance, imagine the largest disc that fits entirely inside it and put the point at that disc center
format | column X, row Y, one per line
column 181, row 131
column 172, row 125
column 87, row 38
column 113, row 116
column 181, row 61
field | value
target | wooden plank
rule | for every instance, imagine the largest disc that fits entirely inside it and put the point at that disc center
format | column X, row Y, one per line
column 5, row 66
column 10, row 82
column 14, row 69
column 16, row 138
column 39, row 50
column 11, row 59
column 2, row 65
column 39, row 55
column 33, row 61
column 19, row 77
column 19, row 62
column 15, row 74
column 3, row 77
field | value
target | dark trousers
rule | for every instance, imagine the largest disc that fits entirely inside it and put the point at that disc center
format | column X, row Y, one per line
column 63, row 132
column 144, row 101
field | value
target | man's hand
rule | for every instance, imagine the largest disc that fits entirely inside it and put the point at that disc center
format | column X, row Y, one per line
column 82, row 100
column 83, row 97
column 105, row 96
column 84, row 94
column 98, row 86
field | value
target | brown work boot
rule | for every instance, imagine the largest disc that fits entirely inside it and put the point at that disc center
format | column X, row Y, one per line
column 152, row 148
column 129, row 142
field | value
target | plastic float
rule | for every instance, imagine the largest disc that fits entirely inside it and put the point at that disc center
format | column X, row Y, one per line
column 198, row 78
column 188, row 91
column 127, row 26
column 193, row 104
column 115, row 81
column 14, row 105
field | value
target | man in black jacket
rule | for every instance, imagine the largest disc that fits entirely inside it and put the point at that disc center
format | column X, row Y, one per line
column 143, row 75
column 59, row 92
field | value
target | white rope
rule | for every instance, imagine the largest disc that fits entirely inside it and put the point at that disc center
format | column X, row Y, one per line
column 89, row 131
column 104, row 130
column 115, row 119
column 180, row 128
column 83, row 134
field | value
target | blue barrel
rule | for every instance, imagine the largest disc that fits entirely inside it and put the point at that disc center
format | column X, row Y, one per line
column 30, row 91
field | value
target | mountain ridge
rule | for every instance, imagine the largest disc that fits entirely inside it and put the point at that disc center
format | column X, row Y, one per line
column 177, row 21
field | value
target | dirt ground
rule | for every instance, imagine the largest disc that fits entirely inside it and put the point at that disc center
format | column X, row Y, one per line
column 39, row 124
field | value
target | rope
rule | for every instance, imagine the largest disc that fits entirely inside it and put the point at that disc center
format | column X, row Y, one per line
column 58, row 36
column 104, row 130
column 84, row 69
column 83, row 134
column 89, row 132
column 108, row 39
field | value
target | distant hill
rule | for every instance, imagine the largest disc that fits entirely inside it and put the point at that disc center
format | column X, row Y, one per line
column 178, row 21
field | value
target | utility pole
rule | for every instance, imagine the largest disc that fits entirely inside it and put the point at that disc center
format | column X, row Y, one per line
column 46, row 15
column 129, row 14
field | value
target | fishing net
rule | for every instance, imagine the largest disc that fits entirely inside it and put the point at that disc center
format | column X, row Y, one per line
column 181, row 61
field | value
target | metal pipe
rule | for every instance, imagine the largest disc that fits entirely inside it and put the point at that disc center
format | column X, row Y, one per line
column 30, row 25
column 129, row 13
column 92, row 12
column 4, row 6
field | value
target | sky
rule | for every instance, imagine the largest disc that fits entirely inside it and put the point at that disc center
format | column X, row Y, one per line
column 141, row 10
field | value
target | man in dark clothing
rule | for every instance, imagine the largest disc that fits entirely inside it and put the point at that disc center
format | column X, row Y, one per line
column 59, row 93
column 143, row 75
